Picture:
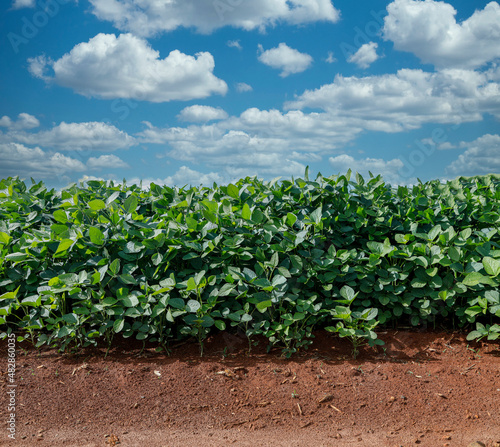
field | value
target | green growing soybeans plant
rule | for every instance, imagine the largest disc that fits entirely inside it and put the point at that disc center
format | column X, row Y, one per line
column 358, row 327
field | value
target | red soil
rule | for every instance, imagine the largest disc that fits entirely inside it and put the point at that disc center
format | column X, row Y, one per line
column 424, row 388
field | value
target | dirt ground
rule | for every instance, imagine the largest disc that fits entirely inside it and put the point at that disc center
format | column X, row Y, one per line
column 422, row 388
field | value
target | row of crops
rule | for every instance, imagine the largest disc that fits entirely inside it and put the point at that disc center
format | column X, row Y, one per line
column 277, row 259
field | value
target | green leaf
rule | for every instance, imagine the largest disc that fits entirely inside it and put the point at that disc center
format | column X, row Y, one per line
column 434, row 232
column 207, row 321
column 278, row 280
column 257, row 216
column 193, row 306
column 130, row 301
column 64, row 245
column 60, row 216
column 474, row 335
column 219, row 324
column 454, row 254
column 96, row 236
column 246, row 213
column 211, row 217
column 114, row 267
column 16, row 257
column 492, row 266
column 4, row 238
column 475, row 278
column 291, row 219
column 233, row 191
column 192, row 223
column 97, row 205
column 64, row 332
column 347, row 293
column 70, row 318
column 261, row 282
column 245, row 318
column 9, row 295
column 130, row 204
column 191, row 284
column 317, row 214
column 177, row 303
column 127, row 279
column 264, row 305
column 118, row 325
column 370, row 314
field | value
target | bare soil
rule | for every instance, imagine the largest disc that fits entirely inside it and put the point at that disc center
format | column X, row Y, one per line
column 422, row 388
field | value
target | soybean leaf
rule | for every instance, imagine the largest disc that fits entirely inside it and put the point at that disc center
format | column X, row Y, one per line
column 130, row 204
column 96, row 236
column 492, row 266
column 97, row 205
column 130, row 301
column 193, row 306
column 114, row 267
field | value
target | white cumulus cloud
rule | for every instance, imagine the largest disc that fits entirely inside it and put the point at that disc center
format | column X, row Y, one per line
column 106, row 162
column 150, row 17
column 24, row 121
column 331, row 58
column 127, row 67
column 243, row 87
column 234, row 44
column 199, row 114
column 18, row 4
column 388, row 169
column 287, row 59
column 429, row 30
column 88, row 136
column 184, row 176
column 408, row 99
column 22, row 161
column 365, row 56
column 482, row 156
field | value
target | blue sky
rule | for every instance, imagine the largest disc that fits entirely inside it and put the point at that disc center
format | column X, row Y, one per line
column 199, row 91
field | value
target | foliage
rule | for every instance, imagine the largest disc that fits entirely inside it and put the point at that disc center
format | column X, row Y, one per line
column 272, row 258
column 357, row 327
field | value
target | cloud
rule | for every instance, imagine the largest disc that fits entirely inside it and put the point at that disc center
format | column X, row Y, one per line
column 253, row 136
column 198, row 114
column 184, row 176
column 388, row 169
column 429, row 30
column 18, row 4
column 243, row 87
column 482, row 156
column 126, row 66
column 287, row 59
column 19, row 160
column 365, row 56
column 150, row 17
column 408, row 99
column 89, row 178
column 273, row 142
column 437, row 145
column 446, row 146
column 107, row 162
column 267, row 143
column 24, row 121
column 234, row 44
column 90, row 136
column 331, row 58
